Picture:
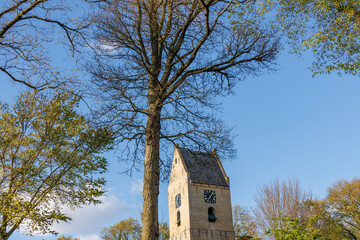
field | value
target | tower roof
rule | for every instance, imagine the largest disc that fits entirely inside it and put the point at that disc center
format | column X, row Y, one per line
column 204, row 168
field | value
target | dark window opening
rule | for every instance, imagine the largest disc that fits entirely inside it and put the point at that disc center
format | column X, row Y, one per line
column 178, row 221
column 211, row 214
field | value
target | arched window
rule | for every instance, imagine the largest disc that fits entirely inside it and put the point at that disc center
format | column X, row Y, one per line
column 211, row 214
column 178, row 221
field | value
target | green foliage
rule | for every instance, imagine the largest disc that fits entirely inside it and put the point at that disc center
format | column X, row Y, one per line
column 129, row 229
column 276, row 200
column 290, row 213
column 330, row 28
column 244, row 222
column 67, row 238
column 344, row 207
column 164, row 231
column 294, row 229
column 327, row 225
column 49, row 159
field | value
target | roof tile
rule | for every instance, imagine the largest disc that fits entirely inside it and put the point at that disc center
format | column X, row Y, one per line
column 203, row 168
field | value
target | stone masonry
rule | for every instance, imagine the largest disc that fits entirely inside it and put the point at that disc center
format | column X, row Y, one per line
column 194, row 174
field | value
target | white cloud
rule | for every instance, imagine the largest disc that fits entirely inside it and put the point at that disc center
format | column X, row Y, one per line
column 137, row 186
column 107, row 48
column 90, row 220
column 91, row 237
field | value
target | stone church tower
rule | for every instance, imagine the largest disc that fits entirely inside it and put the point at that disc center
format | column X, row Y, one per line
column 199, row 198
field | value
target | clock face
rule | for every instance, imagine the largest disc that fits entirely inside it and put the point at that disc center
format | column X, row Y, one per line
column 177, row 200
column 209, row 196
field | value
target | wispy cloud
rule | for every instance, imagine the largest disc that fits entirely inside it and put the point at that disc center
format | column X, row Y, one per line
column 90, row 220
column 137, row 186
column 91, row 237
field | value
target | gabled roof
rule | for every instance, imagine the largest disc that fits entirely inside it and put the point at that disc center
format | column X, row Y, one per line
column 204, row 168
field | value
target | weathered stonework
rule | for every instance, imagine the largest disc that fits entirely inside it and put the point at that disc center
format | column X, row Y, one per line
column 192, row 173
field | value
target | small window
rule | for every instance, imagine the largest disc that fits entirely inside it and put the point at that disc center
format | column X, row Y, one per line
column 175, row 160
column 211, row 214
column 178, row 221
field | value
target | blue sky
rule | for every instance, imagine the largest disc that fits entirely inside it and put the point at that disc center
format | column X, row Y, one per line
column 292, row 125
column 287, row 124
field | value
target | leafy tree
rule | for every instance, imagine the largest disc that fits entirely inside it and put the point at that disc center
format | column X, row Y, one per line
column 294, row 229
column 26, row 29
column 330, row 28
column 128, row 229
column 278, row 199
column 322, row 220
column 244, row 222
column 160, row 66
column 164, row 232
column 49, row 159
column 343, row 205
column 67, row 238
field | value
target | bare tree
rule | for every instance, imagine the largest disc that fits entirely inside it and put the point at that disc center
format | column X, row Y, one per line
column 27, row 27
column 159, row 67
column 277, row 200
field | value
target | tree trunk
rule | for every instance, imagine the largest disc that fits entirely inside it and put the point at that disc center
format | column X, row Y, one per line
column 149, row 217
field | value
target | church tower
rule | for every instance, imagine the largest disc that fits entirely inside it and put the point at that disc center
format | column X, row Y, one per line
column 199, row 197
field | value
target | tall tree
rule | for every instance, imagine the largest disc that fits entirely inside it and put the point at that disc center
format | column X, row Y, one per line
column 343, row 204
column 26, row 29
column 160, row 66
column 329, row 28
column 49, row 159
column 276, row 200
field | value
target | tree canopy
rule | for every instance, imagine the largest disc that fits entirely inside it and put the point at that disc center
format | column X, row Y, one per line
column 294, row 229
column 244, row 222
column 329, row 28
column 130, row 229
column 344, row 206
column 49, row 160
column 285, row 211
column 67, row 238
